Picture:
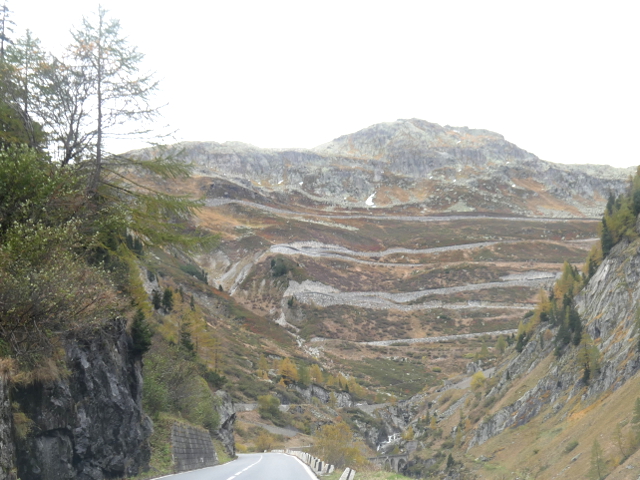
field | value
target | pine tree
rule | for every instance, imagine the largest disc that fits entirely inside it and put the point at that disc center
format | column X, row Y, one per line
column 606, row 240
column 156, row 299
column 167, row 300
column 611, row 200
column 186, row 341
column 140, row 333
column 450, row 462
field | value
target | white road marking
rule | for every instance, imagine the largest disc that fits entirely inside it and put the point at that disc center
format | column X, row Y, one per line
column 244, row 470
column 306, row 467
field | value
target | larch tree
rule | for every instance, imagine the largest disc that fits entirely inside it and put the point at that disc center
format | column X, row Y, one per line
column 25, row 60
column 316, row 374
column 598, row 469
column 6, row 27
column 288, row 371
column 119, row 91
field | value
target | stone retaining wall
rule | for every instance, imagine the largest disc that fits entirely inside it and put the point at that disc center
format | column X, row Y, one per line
column 191, row 448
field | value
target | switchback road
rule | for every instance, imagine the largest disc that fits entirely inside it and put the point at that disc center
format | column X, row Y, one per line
column 255, row 466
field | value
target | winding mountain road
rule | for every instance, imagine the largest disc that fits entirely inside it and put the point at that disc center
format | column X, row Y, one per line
column 325, row 296
column 255, row 466
column 321, row 250
column 218, row 202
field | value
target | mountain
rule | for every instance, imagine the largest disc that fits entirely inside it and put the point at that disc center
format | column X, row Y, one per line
column 398, row 254
column 400, row 273
column 415, row 166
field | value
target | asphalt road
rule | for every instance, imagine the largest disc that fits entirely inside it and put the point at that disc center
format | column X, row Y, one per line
column 255, row 466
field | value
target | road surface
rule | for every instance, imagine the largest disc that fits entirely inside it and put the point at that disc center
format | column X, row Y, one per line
column 254, row 466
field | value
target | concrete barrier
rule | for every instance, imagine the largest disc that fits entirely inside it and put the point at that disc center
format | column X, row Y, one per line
column 348, row 474
column 317, row 466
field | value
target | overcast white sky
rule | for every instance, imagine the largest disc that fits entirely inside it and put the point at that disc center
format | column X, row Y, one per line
column 560, row 79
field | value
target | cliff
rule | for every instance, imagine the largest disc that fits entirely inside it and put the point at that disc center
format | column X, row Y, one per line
column 227, row 414
column 89, row 423
column 608, row 306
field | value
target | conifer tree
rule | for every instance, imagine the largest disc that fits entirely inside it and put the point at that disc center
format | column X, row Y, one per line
column 450, row 462
column 598, row 462
column 316, row 374
column 288, row 371
column 141, row 333
column 606, row 239
column 6, row 27
column 167, row 300
column 119, row 92
column 156, row 299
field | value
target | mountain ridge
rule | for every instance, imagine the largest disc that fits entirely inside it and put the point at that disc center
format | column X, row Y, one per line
column 413, row 165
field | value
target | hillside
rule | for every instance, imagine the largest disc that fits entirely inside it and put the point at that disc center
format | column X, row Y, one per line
column 333, row 271
column 370, row 280
column 402, row 292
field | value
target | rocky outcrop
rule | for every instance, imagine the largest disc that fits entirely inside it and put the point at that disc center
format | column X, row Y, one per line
column 226, row 411
column 608, row 307
column 343, row 400
column 7, row 452
column 89, row 424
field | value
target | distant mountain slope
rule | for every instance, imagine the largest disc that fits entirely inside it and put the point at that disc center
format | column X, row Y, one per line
column 417, row 166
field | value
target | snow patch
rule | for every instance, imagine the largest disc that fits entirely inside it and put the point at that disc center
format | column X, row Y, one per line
column 369, row 201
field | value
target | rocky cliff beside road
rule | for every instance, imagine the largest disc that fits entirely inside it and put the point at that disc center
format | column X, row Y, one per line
column 7, row 450
column 227, row 414
column 88, row 424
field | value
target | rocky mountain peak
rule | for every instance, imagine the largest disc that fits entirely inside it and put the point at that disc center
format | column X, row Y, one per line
column 392, row 141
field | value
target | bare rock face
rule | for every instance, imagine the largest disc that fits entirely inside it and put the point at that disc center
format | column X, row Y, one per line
column 227, row 414
column 88, row 425
column 343, row 399
column 7, row 451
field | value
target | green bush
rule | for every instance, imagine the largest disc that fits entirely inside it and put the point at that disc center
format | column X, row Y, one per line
column 172, row 385
column 194, row 271
column 571, row 446
column 269, row 408
column 278, row 267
